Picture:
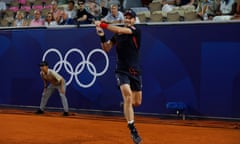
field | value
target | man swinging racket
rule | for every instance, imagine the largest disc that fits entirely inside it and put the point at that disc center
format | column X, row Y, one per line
column 127, row 41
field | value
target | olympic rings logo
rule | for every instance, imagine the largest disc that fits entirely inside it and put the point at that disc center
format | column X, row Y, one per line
column 74, row 72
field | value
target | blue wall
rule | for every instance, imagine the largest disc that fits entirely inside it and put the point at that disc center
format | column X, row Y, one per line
column 198, row 64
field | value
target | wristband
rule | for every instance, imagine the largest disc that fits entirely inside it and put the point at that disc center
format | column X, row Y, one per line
column 103, row 25
column 103, row 38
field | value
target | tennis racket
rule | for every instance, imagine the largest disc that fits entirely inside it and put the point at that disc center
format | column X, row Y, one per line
column 93, row 7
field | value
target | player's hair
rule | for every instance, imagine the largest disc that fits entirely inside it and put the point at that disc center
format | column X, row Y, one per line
column 113, row 5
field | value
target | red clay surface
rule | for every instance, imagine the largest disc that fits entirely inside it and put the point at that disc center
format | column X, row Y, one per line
column 24, row 127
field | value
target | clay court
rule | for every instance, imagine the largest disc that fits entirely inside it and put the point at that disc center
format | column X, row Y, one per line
column 21, row 126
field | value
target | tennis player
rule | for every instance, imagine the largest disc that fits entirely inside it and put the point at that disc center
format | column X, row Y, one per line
column 127, row 41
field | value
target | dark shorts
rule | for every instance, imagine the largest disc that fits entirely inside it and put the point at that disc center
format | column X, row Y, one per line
column 135, row 81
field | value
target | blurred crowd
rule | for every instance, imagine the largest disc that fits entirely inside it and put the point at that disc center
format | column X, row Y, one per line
column 17, row 13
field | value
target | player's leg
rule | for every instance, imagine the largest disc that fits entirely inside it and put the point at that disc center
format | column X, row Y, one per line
column 129, row 112
column 62, row 93
column 45, row 97
column 127, row 102
column 136, row 86
column 136, row 90
column 136, row 98
column 124, row 83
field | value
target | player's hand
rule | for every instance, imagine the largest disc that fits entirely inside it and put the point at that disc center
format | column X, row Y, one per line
column 99, row 31
column 97, row 23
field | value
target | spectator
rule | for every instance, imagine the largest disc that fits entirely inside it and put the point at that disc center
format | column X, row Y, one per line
column 213, row 9
column 104, row 8
column 114, row 16
column 227, row 9
column 37, row 21
column 71, row 13
column 83, row 17
column 49, row 20
column 19, row 21
column 57, row 13
column 62, row 18
column 3, row 7
column 202, row 9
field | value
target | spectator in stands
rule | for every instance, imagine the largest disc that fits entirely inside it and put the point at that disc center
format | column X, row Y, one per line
column 114, row 16
column 71, row 13
column 58, row 14
column 49, row 20
column 227, row 9
column 19, row 21
column 202, row 9
column 62, row 18
column 83, row 17
column 213, row 9
column 3, row 7
column 37, row 21
column 104, row 8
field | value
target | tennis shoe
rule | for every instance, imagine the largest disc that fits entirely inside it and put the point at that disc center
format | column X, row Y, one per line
column 39, row 111
column 135, row 137
column 65, row 114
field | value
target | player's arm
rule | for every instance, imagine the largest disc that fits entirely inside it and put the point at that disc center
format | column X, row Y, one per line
column 113, row 28
column 118, row 29
column 45, row 83
column 105, row 44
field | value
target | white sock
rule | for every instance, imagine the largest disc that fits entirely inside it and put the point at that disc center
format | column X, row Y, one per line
column 131, row 122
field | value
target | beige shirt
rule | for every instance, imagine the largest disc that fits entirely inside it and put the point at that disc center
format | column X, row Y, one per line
column 51, row 77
